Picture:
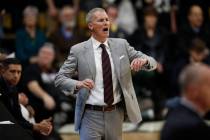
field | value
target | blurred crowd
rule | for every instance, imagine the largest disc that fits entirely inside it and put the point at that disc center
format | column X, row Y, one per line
column 40, row 34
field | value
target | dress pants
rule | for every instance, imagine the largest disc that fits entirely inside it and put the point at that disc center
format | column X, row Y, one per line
column 99, row 125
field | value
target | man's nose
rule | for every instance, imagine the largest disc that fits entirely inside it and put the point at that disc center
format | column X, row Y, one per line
column 16, row 75
column 106, row 22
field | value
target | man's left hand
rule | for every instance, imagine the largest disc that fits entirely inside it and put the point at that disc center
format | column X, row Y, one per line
column 48, row 126
column 138, row 63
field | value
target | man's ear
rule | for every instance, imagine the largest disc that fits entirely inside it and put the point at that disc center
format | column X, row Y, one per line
column 193, row 90
column 90, row 26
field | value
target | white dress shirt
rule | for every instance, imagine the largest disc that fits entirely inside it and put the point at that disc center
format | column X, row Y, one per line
column 97, row 93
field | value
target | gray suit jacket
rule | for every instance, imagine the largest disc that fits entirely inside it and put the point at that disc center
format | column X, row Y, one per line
column 81, row 59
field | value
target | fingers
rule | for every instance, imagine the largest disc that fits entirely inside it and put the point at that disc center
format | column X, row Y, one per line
column 88, row 83
column 46, row 133
column 43, row 127
column 138, row 63
column 47, row 130
column 47, row 126
column 50, row 130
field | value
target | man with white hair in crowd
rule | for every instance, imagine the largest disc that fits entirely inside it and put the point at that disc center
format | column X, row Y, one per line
column 67, row 34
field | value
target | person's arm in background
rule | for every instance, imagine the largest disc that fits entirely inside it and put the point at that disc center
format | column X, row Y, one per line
column 76, row 5
column 52, row 10
column 37, row 90
column 173, row 18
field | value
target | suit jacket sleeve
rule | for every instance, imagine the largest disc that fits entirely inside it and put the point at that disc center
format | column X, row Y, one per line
column 63, row 79
column 24, row 123
column 132, row 53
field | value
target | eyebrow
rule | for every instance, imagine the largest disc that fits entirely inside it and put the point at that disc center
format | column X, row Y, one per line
column 102, row 19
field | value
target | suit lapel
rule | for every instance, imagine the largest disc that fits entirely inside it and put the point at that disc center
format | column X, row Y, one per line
column 90, row 58
column 115, row 56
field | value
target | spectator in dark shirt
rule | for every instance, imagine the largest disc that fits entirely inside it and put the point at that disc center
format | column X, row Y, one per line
column 197, row 52
column 10, row 76
column 183, row 6
column 195, row 28
column 42, row 102
column 151, row 39
column 30, row 38
column 38, row 84
column 184, row 121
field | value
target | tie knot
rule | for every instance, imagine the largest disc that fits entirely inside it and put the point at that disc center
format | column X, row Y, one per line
column 102, row 46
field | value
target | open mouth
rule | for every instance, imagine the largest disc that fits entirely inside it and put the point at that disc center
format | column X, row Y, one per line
column 105, row 29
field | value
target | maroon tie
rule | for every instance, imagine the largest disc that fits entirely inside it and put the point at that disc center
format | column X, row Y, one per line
column 107, row 76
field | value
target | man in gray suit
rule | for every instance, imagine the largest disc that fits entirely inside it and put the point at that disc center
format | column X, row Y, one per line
column 105, row 89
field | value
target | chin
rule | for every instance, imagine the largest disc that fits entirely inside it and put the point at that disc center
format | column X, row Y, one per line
column 106, row 36
column 14, row 84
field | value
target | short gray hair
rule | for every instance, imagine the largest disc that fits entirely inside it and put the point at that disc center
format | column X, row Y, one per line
column 30, row 10
column 63, row 9
column 48, row 45
column 191, row 74
column 90, row 14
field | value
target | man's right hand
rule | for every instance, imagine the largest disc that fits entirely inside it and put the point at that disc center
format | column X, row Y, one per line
column 44, row 127
column 87, row 83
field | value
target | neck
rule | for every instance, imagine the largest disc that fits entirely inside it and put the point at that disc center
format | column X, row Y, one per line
column 30, row 28
column 150, row 32
column 102, row 40
column 196, row 106
column 192, row 60
column 68, row 29
column 148, row 27
column 193, row 26
column 44, row 67
column 31, row 31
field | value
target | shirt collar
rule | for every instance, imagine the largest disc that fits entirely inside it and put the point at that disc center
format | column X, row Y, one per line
column 96, row 43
